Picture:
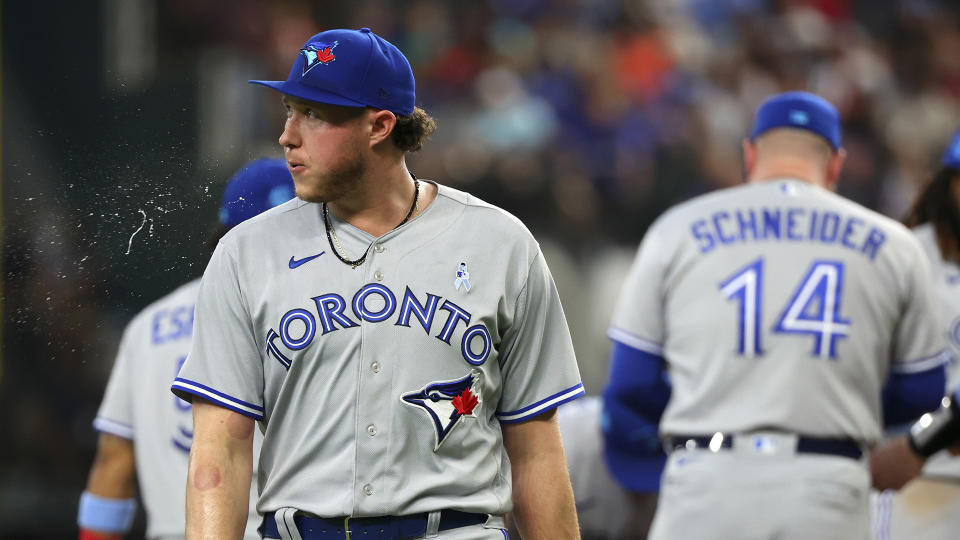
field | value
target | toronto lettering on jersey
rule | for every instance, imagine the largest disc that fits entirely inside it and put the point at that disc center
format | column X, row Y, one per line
column 786, row 224
column 298, row 327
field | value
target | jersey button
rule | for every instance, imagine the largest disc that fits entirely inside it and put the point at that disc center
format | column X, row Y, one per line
column 368, row 490
column 375, row 367
column 378, row 275
column 378, row 248
column 371, row 430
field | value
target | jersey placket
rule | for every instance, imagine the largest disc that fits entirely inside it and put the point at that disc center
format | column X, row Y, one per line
column 374, row 408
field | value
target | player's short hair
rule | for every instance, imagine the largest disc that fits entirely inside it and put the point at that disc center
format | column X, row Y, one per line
column 936, row 205
column 411, row 131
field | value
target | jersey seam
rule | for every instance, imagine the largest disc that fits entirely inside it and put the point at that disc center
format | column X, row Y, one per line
column 519, row 312
column 243, row 298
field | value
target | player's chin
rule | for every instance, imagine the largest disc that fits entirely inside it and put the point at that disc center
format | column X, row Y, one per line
column 308, row 195
column 309, row 192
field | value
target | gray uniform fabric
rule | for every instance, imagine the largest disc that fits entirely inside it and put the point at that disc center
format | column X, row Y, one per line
column 603, row 506
column 778, row 306
column 138, row 406
column 381, row 389
column 929, row 507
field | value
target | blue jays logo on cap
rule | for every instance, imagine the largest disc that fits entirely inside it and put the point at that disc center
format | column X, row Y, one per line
column 446, row 402
column 799, row 110
column 317, row 53
column 799, row 117
column 373, row 73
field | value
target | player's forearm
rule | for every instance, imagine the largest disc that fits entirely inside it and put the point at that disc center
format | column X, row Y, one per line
column 543, row 501
column 114, row 470
column 543, row 505
column 107, row 508
column 218, row 482
column 217, row 498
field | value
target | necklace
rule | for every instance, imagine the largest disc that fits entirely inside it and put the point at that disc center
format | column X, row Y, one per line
column 334, row 242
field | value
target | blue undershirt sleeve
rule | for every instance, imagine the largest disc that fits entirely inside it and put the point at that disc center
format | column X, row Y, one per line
column 633, row 402
column 635, row 397
column 906, row 396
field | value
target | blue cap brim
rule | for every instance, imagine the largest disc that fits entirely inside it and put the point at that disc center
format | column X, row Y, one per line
column 637, row 474
column 309, row 93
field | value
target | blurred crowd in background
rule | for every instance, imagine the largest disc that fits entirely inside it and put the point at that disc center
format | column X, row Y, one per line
column 122, row 119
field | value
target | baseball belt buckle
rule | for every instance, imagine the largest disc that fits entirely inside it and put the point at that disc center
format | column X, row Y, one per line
column 346, row 527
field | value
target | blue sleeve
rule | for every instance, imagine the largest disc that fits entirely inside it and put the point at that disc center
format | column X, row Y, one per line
column 633, row 402
column 906, row 396
column 638, row 381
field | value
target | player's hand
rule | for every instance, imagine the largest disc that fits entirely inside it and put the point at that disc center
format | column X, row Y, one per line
column 955, row 449
column 893, row 464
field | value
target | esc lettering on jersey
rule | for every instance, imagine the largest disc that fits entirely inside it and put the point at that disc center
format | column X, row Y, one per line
column 413, row 373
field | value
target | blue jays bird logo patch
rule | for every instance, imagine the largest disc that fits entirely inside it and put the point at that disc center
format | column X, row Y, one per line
column 317, row 53
column 446, row 403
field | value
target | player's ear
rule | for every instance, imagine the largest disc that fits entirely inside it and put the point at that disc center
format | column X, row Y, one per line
column 834, row 166
column 749, row 158
column 382, row 124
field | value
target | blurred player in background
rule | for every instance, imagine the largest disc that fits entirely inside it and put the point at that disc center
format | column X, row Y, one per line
column 615, row 480
column 779, row 309
column 929, row 507
column 144, row 430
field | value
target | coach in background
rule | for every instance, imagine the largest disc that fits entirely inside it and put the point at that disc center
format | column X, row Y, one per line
column 144, row 431
column 929, row 507
column 780, row 310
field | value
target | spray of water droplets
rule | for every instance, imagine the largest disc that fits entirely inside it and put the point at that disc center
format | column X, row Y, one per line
column 142, row 223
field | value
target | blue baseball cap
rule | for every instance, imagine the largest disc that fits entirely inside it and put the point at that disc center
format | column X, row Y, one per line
column 951, row 156
column 258, row 186
column 353, row 68
column 799, row 110
column 634, row 456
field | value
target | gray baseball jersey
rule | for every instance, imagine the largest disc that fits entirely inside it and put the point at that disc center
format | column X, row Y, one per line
column 779, row 305
column 381, row 389
column 138, row 406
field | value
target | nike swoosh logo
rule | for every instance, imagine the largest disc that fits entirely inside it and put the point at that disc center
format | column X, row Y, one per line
column 297, row 262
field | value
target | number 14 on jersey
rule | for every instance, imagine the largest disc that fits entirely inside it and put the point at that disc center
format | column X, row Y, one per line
column 814, row 308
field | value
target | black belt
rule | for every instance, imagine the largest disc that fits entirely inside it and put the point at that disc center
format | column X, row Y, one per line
column 383, row 527
column 805, row 445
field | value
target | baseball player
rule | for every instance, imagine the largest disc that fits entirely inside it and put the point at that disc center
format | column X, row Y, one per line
column 779, row 309
column 144, row 431
column 393, row 403
column 930, row 506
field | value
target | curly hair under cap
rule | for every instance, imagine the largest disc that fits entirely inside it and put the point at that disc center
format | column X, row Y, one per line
column 411, row 131
column 936, row 204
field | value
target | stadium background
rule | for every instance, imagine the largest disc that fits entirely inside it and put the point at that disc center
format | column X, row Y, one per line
column 585, row 118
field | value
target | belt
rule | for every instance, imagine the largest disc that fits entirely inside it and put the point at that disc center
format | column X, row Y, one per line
column 381, row 527
column 805, row 445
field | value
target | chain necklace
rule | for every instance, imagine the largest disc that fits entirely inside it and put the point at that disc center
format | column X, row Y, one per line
column 337, row 248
